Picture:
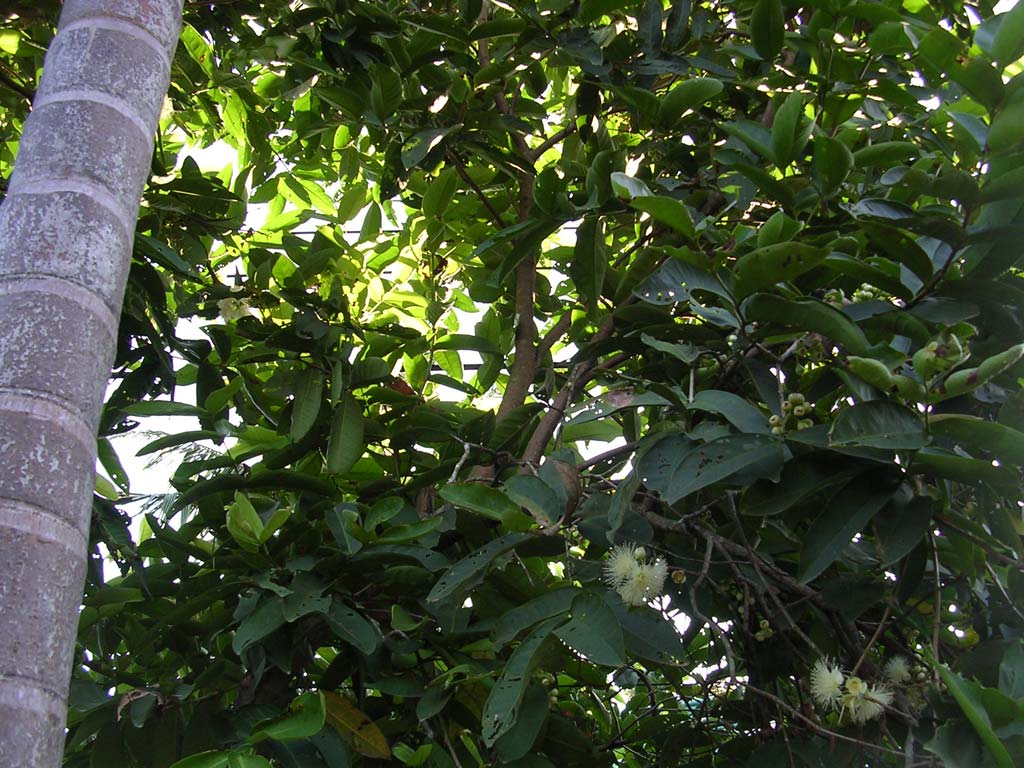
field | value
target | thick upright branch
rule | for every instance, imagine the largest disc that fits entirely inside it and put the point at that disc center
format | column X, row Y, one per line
column 66, row 232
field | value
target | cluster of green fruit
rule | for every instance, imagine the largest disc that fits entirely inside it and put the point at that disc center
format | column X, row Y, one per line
column 796, row 413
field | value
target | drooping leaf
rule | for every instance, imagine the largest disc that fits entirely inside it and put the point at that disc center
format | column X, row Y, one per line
column 845, row 515
column 754, row 454
column 486, row 501
column 469, row 569
column 355, row 726
column 594, row 631
column 305, row 718
column 767, row 28
column 808, row 315
column 502, row 706
column 346, row 442
column 773, row 264
column 308, row 397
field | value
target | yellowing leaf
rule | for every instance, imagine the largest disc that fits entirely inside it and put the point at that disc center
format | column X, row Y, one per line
column 356, row 727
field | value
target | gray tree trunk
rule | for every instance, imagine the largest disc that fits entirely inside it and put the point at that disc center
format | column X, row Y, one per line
column 66, row 232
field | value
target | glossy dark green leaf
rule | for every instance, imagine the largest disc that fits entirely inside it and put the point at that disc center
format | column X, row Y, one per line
column 305, row 718
column 808, row 315
column 789, row 133
column 593, row 630
column 352, row 627
column 522, row 617
column 467, row 571
column 590, row 261
column 309, row 393
column 743, row 415
column 879, row 424
column 440, row 192
column 501, row 709
column 845, row 515
column 722, row 458
column 689, row 94
column 346, row 441
column 773, row 264
column 268, row 617
column 767, row 28
column 482, row 499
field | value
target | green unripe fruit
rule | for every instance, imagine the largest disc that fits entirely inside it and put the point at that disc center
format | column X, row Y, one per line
column 874, row 372
column 804, row 424
column 796, row 398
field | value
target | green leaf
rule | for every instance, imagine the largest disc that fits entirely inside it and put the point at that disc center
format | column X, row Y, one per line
column 667, row 211
column 773, row 264
column 594, row 631
column 999, row 440
column 248, row 761
column 352, row 627
column 833, row 162
column 974, row 710
column 502, row 706
column 521, row 617
column 345, row 445
column 885, row 154
column 521, row 737
column 802, row 478
column 590, row 261
column 537, row 496
column 244, row 523
column 971, row 471
column 1007, row 130
column 467, row 571
column 720, row 459
column 1008, row 42
column 204, row 760
column 808, row 315
column 162, row 408
column 1011, row 671
column 440, row 192
column 308, row 398
column 901, row 528
column 689, row 94
column 737, row 411
column 627, row 187
column 685, row 351
column 767, row 28
column 957, row 744
column 305, row 718
column 846, row 514
column 788, row 132
column 268, row 617
column 420, row 144
column 479, row 498
column 879, row 424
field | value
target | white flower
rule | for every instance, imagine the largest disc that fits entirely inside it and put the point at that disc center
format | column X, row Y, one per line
column 826, row 683
column 232, row 309
column 634, row 591
column 865, row 702
column 620, row 565
column 636, row 580
column 868, row 704
column 897, row 670
column 645, row 583
column 657, row 572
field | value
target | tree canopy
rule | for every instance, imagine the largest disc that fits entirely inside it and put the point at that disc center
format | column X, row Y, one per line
column 578, row 382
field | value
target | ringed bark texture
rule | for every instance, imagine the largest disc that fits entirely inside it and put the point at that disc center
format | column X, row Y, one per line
column 66, row 233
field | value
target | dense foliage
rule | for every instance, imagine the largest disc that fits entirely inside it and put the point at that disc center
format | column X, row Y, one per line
column 491, row 295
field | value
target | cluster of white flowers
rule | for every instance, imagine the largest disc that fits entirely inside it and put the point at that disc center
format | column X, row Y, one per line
column 831, row 689
column 636, row 579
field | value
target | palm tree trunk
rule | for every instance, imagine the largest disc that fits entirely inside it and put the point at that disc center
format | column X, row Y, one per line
column 66, row 233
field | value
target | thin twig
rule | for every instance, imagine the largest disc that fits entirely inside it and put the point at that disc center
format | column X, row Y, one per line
column 819, row 728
